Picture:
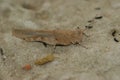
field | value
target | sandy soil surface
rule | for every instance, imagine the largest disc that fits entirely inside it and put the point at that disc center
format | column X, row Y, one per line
column 100, row 18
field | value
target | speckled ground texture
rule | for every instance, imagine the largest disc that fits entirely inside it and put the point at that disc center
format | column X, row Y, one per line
column 101, row 61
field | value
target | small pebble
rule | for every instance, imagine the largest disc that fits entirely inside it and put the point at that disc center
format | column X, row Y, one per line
column 98, row 8
column 98, row 17
column 28, row 6
column 89, row 27
column 27, row 67
column 90, row 21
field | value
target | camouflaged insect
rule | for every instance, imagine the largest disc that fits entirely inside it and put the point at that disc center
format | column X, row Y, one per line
column 51, row 37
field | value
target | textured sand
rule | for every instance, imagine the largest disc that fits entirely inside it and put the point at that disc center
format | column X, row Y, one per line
column 101, row 61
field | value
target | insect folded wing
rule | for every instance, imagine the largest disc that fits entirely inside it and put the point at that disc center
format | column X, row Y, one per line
column 34, row 35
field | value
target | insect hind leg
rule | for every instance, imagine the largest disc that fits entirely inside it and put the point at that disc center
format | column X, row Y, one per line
column 45, row 44
column 82, row 45
column 85, row 34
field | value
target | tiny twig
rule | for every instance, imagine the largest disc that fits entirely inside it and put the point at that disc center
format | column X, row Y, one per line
column 116, row 40
column 113, row 33
column 1, row 51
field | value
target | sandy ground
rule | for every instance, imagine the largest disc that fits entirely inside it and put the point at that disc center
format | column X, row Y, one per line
column 101, row 61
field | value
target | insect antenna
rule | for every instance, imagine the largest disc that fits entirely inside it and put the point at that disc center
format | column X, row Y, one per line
column 83, row 31
column 83, row 46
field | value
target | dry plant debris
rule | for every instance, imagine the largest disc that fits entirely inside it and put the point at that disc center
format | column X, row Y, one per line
column 2, row 54
column 45, row 60
column 116, row 40
column 115, row 34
